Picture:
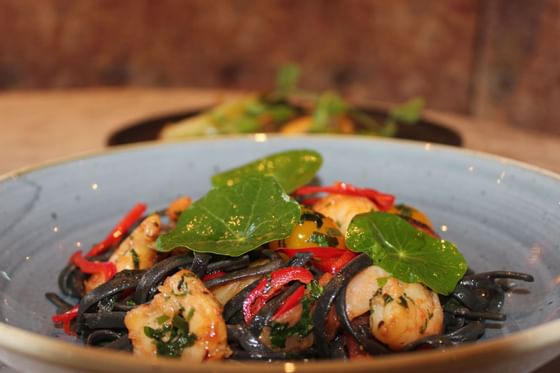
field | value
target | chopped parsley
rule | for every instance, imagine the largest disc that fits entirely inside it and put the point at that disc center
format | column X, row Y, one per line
column 381, row 281
column 135, row 258
column 182, row 287
column 404, row 210
column 424, row 326
column 387, row 298
column 172, row 338
column 279, row 332
column 315, row 290
column 403, row 302
column 312, row 216
column 322, row 239
column 190, row 315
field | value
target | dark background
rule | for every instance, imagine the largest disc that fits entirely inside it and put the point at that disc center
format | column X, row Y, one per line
column 493, row 59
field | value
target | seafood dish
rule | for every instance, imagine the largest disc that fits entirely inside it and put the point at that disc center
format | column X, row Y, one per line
column 270, row 265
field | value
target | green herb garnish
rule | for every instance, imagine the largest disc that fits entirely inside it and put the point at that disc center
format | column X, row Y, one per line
column 315, row 290
column 322, row 239
column 233, row 220
column 280, row 331
column 407, row 253
column 135, row 258
column 172, row 338
column 381, row 281
column 292, row 169
column 313, row 216
column 190, row 314
column 404, row 210
column 182, row 287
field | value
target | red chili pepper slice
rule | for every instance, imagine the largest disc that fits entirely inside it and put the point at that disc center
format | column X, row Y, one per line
column 290, row 302
column 66, row 319
column 119, row 230
column 213, row 275
column 332, row 259
column 107, row 269
column 269, row 286
column 382, row 200
column 326, row 265
column 342, row 261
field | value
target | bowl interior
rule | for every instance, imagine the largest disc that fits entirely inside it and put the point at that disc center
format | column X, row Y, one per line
column 502, row 216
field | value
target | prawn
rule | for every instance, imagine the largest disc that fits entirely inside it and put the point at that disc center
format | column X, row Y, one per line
column 342, row 208
column 137, row 251
column 181, row 295
column 400, row 313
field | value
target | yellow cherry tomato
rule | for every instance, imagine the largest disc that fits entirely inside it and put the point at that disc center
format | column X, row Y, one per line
column 314, row 229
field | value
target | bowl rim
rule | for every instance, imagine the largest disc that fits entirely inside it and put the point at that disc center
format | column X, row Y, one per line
column 51, row 350
column 261, row 137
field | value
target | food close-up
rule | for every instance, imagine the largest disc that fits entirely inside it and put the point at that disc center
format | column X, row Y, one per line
column 266, row 266
column 279, row 186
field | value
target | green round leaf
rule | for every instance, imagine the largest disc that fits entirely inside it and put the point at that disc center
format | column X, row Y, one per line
column 407, row 253
column 232, row 220
column 291, row 169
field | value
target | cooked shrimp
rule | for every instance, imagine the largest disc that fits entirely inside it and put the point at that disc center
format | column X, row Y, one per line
column 137, row 251
column 361, row 288
column 184, row 295
column 342, row 208
column 176, row 207
column 402, row 313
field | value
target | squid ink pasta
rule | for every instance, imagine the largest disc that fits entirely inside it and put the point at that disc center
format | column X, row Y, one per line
column 269, row 265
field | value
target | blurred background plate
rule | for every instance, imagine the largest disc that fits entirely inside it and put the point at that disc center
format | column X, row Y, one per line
column 149, row 129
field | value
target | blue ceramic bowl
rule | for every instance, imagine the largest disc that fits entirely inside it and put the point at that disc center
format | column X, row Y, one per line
column 502, row 215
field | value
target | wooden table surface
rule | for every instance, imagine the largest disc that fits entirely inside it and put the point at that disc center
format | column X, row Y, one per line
column 38, row 126
column 42, row 125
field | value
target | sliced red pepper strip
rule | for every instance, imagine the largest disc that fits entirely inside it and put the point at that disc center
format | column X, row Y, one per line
column 334, row 265
column 290, row 302
column 66, row 319
column 326, row 265
column 213, row 275
column 119, row 230
column 342, row 261
column 107, row 269
column 269, row 286
column 382, row 200
column 332, row 259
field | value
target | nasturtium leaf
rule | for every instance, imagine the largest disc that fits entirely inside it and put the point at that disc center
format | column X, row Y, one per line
column 292, row 169
column 407, row 253
column 232, row 220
